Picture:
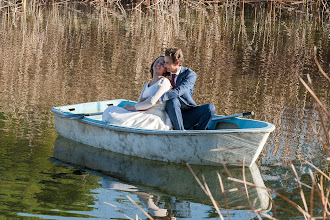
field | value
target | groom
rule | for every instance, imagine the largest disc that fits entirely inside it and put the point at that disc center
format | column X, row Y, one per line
column 180, row 106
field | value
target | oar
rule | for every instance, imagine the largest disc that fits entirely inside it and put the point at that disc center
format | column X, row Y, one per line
column 78, row 116
column 232, row 116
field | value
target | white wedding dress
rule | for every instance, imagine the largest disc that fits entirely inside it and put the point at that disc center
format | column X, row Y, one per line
column 150, row 115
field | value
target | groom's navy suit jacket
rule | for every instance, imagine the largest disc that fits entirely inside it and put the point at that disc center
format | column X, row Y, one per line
column 184, row 88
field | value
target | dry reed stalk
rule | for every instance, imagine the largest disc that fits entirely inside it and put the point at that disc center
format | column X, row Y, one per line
column 224, row 194
column 320, row 192
column 238, row 186
column 323, row 198
column 305, row 185
column 246, row 196
column 206, row 190
column 327, row 201
column 321, row 140
column 215, row 204
column 110, row 204
column 196, row 178
column 155, row 4
column 121, row 8
column 24, row 6
column 9, row 4
column 300, row 188
column 314, row 96
column 138, row 5
column 226, row 148
column 273, row 205
column 319, row 66
column 264, row 214
column 312, row 192
column 119, row 211
column 327, row 144
column 244, row 179
column 144, row 212
column 272, row 191
column 320, row 171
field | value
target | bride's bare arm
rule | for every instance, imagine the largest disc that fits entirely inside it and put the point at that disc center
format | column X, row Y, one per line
column 140, row 98
column 130, row 107
column 164, row 86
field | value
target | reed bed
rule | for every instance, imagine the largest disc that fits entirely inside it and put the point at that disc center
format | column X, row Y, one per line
column 310, row 6
column 44, row 43
column 37, row 40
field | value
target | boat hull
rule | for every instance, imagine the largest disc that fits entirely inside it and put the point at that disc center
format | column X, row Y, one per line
column 231, row 147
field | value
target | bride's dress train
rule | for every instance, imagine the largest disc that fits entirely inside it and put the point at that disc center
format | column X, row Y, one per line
column 153, row 118
column 149, row 114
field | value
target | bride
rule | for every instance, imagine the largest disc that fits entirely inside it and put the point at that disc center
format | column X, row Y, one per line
column 148, row 113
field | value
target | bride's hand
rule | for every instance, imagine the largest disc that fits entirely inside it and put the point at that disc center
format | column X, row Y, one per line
column 142, row 99
column 129, row 107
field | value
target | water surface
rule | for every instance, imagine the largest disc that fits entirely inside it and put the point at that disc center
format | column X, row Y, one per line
column 59, row 56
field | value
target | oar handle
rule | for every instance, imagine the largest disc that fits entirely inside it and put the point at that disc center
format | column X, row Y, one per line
column 233, row 116
column 91, row 114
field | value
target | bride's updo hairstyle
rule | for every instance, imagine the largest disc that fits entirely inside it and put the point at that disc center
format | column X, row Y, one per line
column 152, row 65
column 175, row 54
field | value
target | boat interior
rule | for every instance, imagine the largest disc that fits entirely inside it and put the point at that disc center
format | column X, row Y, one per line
column 100, row 106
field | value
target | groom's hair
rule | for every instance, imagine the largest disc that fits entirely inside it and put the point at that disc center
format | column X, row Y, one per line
column 175, row 54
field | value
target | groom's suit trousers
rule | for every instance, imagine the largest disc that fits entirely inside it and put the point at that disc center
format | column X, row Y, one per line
column 197, row 117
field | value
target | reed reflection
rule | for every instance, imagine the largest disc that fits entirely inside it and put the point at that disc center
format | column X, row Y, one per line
column 57, row 56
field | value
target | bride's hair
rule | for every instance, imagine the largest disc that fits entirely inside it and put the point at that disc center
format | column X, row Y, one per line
column 152, row 65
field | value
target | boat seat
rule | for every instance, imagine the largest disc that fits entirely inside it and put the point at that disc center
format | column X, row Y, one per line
column 95, row 117
column 123, row 103
column 226, row 125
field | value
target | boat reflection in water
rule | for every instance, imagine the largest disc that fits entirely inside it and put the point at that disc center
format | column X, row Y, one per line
column 150, row 180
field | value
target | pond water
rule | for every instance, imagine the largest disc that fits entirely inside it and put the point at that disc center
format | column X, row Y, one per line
column 66, row 55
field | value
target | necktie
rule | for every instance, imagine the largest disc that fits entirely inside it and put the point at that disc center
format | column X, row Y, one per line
column 172, row 80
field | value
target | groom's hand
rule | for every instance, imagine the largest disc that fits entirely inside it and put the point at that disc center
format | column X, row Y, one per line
column 129, row 107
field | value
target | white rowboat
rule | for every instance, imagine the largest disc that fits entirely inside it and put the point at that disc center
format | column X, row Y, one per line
column 230, row 141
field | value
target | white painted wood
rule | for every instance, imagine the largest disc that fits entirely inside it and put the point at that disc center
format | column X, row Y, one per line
column 192, row 146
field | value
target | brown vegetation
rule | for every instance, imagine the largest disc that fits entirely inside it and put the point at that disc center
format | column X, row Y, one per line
column 49, row 58
column 311, row 6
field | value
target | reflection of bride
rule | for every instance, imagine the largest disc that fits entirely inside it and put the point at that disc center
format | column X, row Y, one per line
column 148, row 113
column 153, row 203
